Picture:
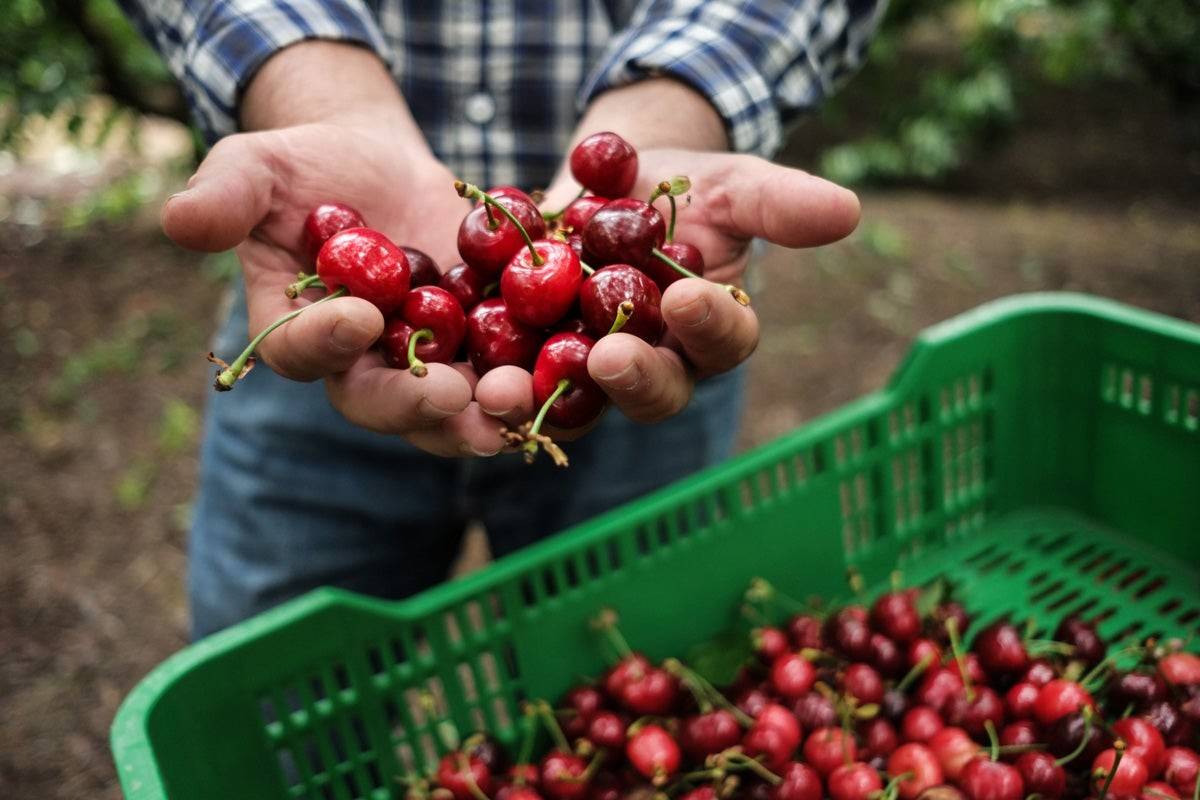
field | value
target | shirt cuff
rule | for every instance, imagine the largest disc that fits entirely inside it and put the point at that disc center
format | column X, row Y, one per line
column 708, row 61
column 233, row 38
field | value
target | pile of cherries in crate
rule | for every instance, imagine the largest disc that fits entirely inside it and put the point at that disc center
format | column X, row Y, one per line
column 535, row 290
column 858, row 703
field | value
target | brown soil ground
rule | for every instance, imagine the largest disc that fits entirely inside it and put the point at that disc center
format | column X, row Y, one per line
column 100, row 332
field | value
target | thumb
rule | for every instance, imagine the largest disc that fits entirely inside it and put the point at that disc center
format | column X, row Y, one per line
column 228, row 196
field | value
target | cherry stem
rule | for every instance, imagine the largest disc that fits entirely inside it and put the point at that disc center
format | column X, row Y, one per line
column 550, row 216
column 738, row 294
column 664, row 188
column 763, row 591
column 230, row 375
column 606, row 622
column 475, row 193
column 1118, row 753
column 755, row 766
column 304, row 282
column 1087, row 736
column 587, row 270
column 464, row 768
column 917, row 671
column 993, row 739
column 542, row 708
column 1108, row 662
column 956, row 649
column 893, row 786
column 490, row 288
column 527, row 739
column 415, row 365
column 446, row 730
column 1009, row 749
column 624, row 312
column 1037, row 647
column 690, row 677
column 1196, row 789
column 563, row 385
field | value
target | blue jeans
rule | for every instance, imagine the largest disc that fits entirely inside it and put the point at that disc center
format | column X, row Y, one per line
column 293, row 497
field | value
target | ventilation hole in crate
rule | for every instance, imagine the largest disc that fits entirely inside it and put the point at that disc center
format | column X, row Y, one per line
column 399, row 651
column 313, row 754
column 1062, row 601
column 361, row 739
column 500, row 714
column 391, row 713
column 746, row 494
column 614, row 554
column 1129, row 630
column 1093, row 563
column 374, row 777
column 839, row 451
column 1170, row 606
column 318, row 689
column 720, row 507
column 339, row 746
column 1145, row 394
column 1171, row 405
column 429, row 748
column 1132, row 578
column 1112, row 570
column 352, row 785
column 1104, row 615
column 327, row 792
column 1038, row 578
column 496, row 603
column 266, row 710
column 466, row 682
column 1126, row 387
column 893, row 425
column 1191, row 410
column 1108, row 383
column 943, row 402
column 571, row 572
column 991, row 564
column 341, row 677
column 683, row 520
column 509, row 656
column 974, row 388
column 292, row 701
column 550, row 582
column 781, row 476
column 819, row 460
column 765, row 490
column 287, row 767
column 662, row 532
column 642, row 541
column 418, row 707
column 407, row 758
column 1189, row 616
column 527, row 593
column 980, row 555
column 1080, row 610
column 490, row 673
column 1151, row 587
column 453, row 630
column 478, row 722
column 591, row 561
column 1047, row 591
column 1080, row 554
column 435, row 690
column 473, row 616
column 1015, row 567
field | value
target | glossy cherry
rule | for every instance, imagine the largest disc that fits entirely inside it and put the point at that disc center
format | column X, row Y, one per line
column 1001, row 649
column 540, row 292
column 1087, row 646
column 1180, row 768
column 654, row 753
column 770, row 643
column 984, row 779
column 1019, row 700
column 805, row 632
column 854, row 781
column 954, row 748
column 827, row 748
column 863, row 682
column 815, row 710
column 702, row 735
column 1039, row 672
column 580, row 210
column 1141, row 689
column 488, row 239
column 1142, row 740
column 368, row 264
column 431, row 316
column 603, row 292
column 607, row 729
column 467, row 285
column 919, row 760
column 920, row 724
column 629, row 668
column 879, row 738
column 793, row 675
column 939, row 686
column 684, row 254
column 848, row 633
column 924, row 650
column 623, row 231
column 457, row 771
column 799, row 782
column 947, row 611
column 510, row 192
column 886, row 656
column 895, row 615
column 1159, row 790
column 1067, row 734
column 1180, row 669
column 655, row 691
column 563, row 776
column 1175, row 728
column 324, row 221
column 424, row 269
column 972, row 712
column 776, row 716
column 1128, row 779
column 584, row 702
column 1042, row 775
column 1058, row 698
column 768, row 744
column 1023, row 732
column 495, row 339
column 605, row 164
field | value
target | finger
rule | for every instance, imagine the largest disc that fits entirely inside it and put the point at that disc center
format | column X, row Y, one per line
column 226, row 198
column 384, row 400
column 507, row 394
column 647, row 383
column 786, row 206
column 471, row 433
column 715, row 331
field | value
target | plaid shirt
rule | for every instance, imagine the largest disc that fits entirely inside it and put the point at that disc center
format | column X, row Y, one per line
column 497, row 85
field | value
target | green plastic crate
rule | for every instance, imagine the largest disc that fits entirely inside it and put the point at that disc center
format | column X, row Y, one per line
column 1043, row 450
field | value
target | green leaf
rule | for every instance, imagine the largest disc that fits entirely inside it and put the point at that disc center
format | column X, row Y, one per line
column 718, row 660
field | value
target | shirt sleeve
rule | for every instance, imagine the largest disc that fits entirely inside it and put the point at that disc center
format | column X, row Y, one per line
column 214, row 47
column 759, row 63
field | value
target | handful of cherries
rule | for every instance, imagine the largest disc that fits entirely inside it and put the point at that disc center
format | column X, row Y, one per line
column 535, row 290
column 858, row 703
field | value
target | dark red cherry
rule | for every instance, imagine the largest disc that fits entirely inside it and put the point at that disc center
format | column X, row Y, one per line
column 564, row 357
column 511, row 192
column 924, row 651
column 848, row 633
column 368, row 264
column 769, row 744
column 704, row 734
column 465, row 284
column 1039, row 672
column 654, row 753
column 1001, row 649
column 879, row 738
column 815, row 710
column 434, row 311
column 973, row 714
column 1019, row 700
column 1176, row 729
column 770, row 643
column 604, row 291
column 495, row 339
column 805, row 631
column 541, row 294
column 886, row 656
column 576, row 215
column 457, row 771
column 1181, row 766
column 863, row 683
column 629, row 669
column 921, row 764
column 624, row 231
column 488, row 247
column 939, row 686
column 584, row 701
column 921, row 724
column 605, row 164
column 1042, row 775
column 1140, row 689
column 792, row 675
column 563, row 776
column 799, row 782
column 324, row 221
column 945, row 612
column 682, row 253
column 1083, row 637
column 423, row 268
column 984, row 779
column 1019, row 733
column 1058, row 698
column 854, row 781
column 655, row 690
column 607, row 729
column 1066, row 735
column 895, row 615
column 488, row 750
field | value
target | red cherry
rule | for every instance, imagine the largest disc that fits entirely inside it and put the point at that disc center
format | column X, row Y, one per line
column 1142, row 689
column 939, row 686
column 431, row 309
column 827, row 748
column 653, row 752
column 752, row 701
column 524, row 774
column 1042, row 775
column 495, row 339
column 921, row 762
column 563, row 776
column 815, row 710
column 324, row 221
column 684, row 254
column 577, row 213
column 1171, row 723
column 1058, row 698
column 488, row 249
column 368, row 265
column 1039, row 672
column 704, row 734
column 701, row 793
column 805, row 631
column 456, row 771
column 776, row 716
column 1128, row 780
column 770, row 643
column 519, row 793
column 1086, row 644
column 800, row 782
column 1021, row 732
column 1001, row 648
column 974, row 668
column 424, row 269
column 628, row 669
column 943, row 792
column 886, row 655
column 585, row 701
column 984, row 779
column 924, row 650
column 607, row 729
column 1180, row 669
column 606, row 786
column 920, row 724
column 1142, row 740
column 540, row 295
column 1157, row 790
column 953, row 748
column 793, row 675
column 769, row 744
column 854, row 781
column 1180, row 768
column 624, row 231
column 848, row 633
column 655, row 690
column 895, row 615
column 950, row 611
column 863, row 683
column 972, row 715
column 509, row 191
column 1019, row 700
column 465, row 284
column 605, row 164
column 879, row 738
column 604, row 291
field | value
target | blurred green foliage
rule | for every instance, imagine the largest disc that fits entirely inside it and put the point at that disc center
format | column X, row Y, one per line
column 944, row 76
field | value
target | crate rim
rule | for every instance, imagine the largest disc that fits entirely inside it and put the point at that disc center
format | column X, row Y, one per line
column 129, row 736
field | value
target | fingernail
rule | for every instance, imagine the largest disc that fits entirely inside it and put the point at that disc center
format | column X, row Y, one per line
column 348, row 336
column 468, row 449
column 694, row 313
column 431, row 411
column 624, row 379
column 497, row 414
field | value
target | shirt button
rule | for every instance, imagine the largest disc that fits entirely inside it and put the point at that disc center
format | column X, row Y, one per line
column 480, row 108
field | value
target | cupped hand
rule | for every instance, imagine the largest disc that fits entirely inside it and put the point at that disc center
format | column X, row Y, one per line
column 734, row 199
column 252, row 193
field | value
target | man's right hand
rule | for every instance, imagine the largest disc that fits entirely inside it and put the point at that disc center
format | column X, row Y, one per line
column 333, row 127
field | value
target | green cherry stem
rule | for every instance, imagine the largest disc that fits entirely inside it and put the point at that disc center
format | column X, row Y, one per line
column 1118, row 753
column 738, row 294
column 542, row 708
column 230, row 375
column 606, row 623
column 464, row 767
column 993, row 738
column 624, row 312
column 917, row 671
column 587, row 269
column 415, row 365
column 1083, row 743
column 956, row 649
column 473, row 192
column 303, row 282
